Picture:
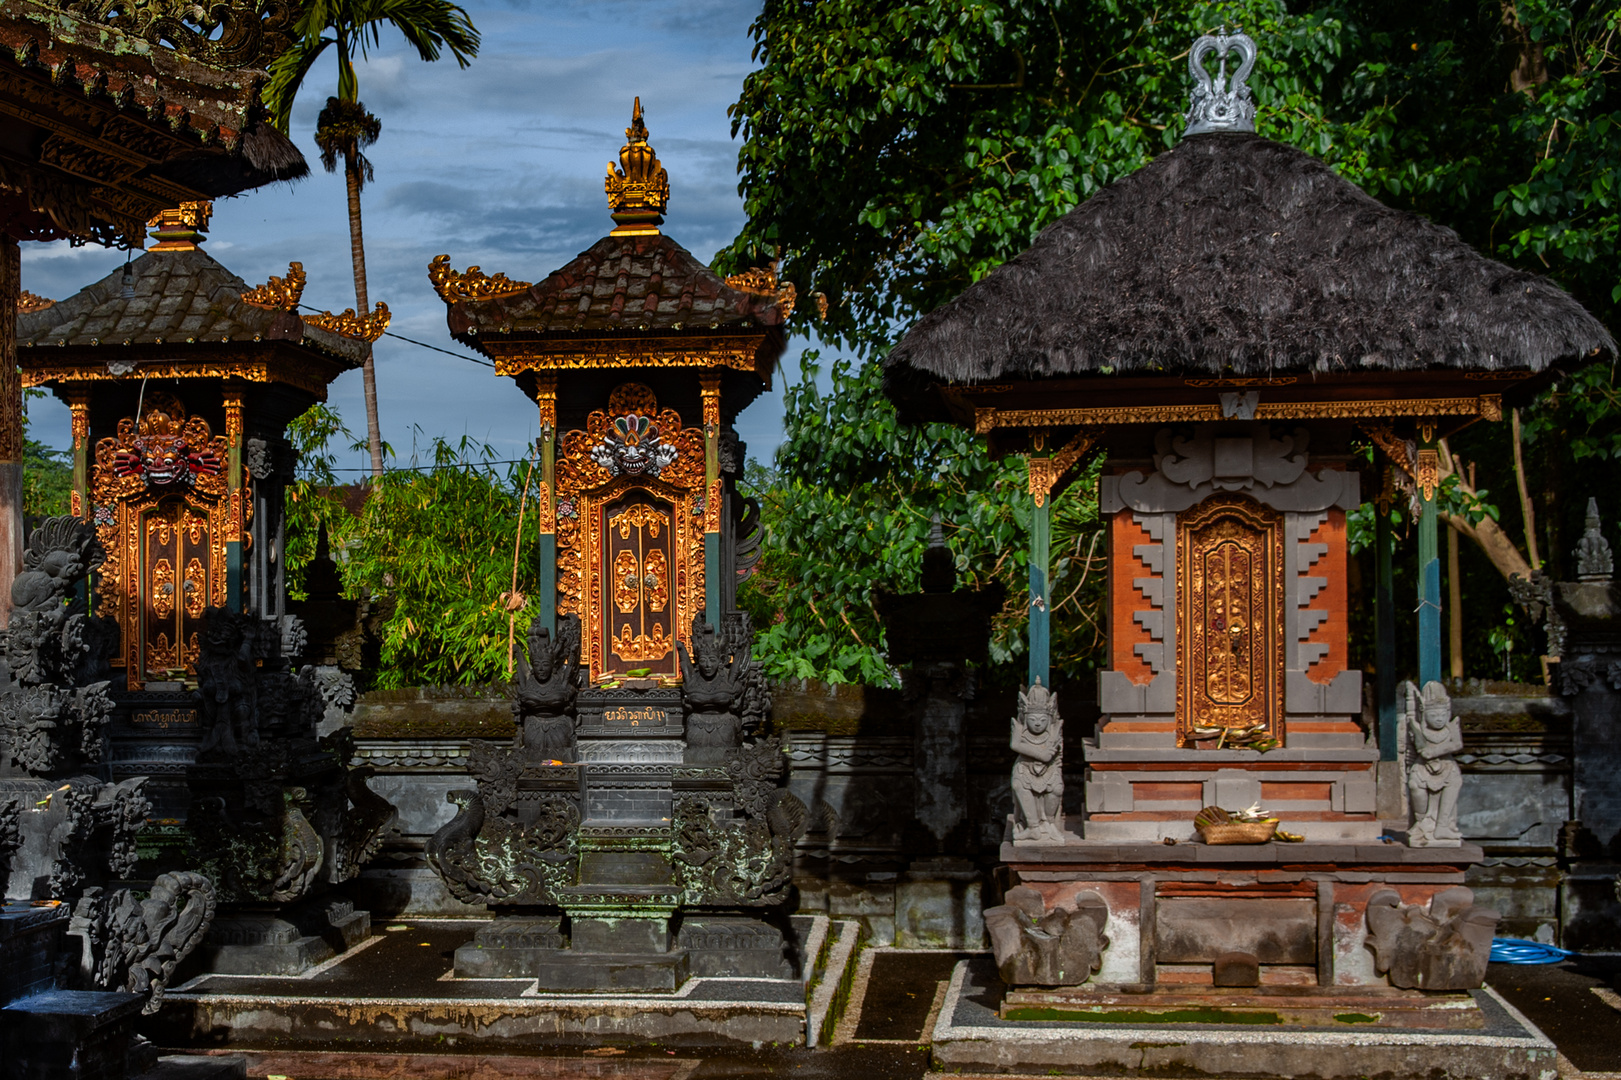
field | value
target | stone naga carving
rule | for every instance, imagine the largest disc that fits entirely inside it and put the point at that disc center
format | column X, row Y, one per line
column 1037, row 947
column 1434, row 779
column 1445, row 947
column 747, row 863
column 545, row 684
column 135, row 945
column 1038, row 774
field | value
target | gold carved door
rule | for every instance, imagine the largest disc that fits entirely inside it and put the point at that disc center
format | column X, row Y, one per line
column 1229, row 620
column 176, row 569
column 638, row 554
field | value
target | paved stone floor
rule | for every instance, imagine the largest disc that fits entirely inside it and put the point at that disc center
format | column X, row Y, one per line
column 894, row 999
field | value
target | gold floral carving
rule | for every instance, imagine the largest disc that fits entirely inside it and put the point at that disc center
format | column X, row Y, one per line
column 640, row 516
column 1487, row 406
column 762, row 281
column 279, row 294
column 1393, row 446
column 737, row 353
column 28, row 303
column 79, row 412
column 284, row 370
column 1428, row 474
column 162, row 588
column 349, row 325
column 472, row 284
column 164, row 478
column 1045, row 472
column 1229, row 671
column 585, row 580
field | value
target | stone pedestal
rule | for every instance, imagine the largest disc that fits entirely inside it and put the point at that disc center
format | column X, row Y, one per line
column 1299, row 909
column 267, row 940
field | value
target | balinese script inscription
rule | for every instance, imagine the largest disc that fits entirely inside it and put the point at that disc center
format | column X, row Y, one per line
column 166, row 718
column 634, row 716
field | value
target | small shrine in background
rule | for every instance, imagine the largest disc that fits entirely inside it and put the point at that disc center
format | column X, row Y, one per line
column 181, row 380
column 636, row 831
column 1229, row 327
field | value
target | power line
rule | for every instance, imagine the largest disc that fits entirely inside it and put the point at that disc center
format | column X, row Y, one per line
column 421, row 344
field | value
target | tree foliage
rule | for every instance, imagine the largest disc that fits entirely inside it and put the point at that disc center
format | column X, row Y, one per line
column 894, row 153
column 438, row 538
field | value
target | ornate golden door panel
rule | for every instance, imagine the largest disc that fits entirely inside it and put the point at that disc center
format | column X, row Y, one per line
column 1229, row 624
column 636, row 598
column 164, row 513
column 630, row 537
column 176, row 558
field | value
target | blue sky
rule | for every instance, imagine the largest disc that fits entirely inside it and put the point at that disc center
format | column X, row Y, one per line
column 501, row 166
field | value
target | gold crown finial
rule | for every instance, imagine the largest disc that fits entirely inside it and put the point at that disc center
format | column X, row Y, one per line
column 639, row 189
column 179, row 228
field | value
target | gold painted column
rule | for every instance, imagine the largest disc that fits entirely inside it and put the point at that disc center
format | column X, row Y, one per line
column 546, row 501
column 79, row 499
column 237, row 514
column 709, row 384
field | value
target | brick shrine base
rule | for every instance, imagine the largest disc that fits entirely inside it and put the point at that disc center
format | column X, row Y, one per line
column 973, row 1036
column 1299, row 909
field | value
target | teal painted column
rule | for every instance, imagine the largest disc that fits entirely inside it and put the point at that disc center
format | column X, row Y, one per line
column 233, row 484
column 1429, row 560
column 1040, row 563
column 1384, row 614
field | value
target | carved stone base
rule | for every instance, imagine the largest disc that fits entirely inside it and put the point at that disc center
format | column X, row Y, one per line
column 735, row 946
column 290, row 942
column 536, row 947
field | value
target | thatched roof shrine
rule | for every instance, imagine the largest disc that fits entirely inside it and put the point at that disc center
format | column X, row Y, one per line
column 1235, row 258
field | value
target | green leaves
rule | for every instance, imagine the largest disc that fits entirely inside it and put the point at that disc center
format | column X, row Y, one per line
column 438, row 540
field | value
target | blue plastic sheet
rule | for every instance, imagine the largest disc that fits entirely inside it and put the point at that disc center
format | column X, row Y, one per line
column 1519, row 951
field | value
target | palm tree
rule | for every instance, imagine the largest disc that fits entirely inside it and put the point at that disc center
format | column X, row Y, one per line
column 345, row 128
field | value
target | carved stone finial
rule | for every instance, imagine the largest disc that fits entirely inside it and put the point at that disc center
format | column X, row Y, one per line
column 1593, row 559
column 639, row 189
column 1217, row 103
column 181, row 228
column 939, row 568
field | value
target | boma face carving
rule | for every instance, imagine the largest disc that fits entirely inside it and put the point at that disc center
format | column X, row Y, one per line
column 633, row 448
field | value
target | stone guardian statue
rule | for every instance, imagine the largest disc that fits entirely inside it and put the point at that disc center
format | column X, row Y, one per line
column 1038, row 774
column 1433, row 777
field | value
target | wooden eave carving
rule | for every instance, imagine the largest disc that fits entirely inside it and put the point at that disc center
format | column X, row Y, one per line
column 281, row 363
column 121, row 127
column 1116, row 400
column 514, row 353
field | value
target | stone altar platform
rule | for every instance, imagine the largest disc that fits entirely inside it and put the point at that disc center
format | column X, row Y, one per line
column 1491, row 1041
column 1173, row 909
column 398, row 992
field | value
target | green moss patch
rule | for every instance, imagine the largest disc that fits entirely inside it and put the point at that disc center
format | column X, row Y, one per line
column 1203, row 1015
column 1355, row 1018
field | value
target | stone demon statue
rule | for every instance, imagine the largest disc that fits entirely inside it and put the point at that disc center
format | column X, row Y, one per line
column 65, row 835
column 546, row 682
column 723, row 689
column 1037, row 947
column 1446, row 947
column 1038, row 774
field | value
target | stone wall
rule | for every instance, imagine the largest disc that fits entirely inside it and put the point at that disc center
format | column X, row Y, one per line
column 1516, row 799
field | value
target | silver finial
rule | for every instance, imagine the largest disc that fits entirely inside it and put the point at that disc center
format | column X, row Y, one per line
column 1218, row 105
column 1593, row 559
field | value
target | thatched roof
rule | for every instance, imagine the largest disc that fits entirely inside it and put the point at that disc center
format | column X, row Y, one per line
column 1235, row 255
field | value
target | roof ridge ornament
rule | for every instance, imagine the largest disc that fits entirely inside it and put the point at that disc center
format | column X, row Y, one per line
column 1218, row 104
column 181, row 228
column 639, row 190
column 279, row 293
column 367, row 328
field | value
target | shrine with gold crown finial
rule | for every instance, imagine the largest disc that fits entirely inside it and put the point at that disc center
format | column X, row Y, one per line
column 643, row 784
